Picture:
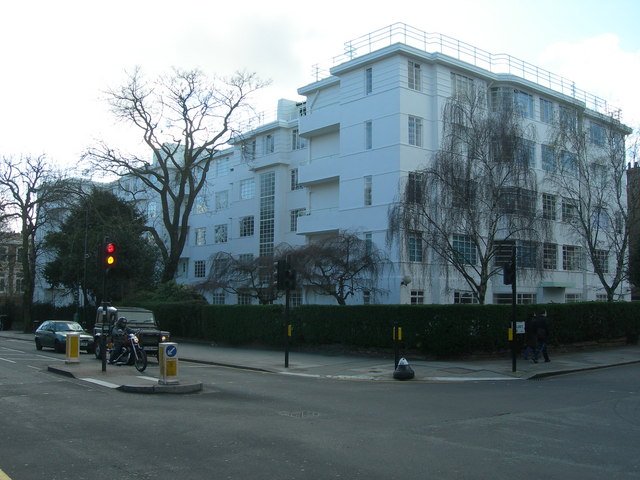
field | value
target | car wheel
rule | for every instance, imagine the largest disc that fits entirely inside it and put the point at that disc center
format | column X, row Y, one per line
column 38, row 344
column 59, row 347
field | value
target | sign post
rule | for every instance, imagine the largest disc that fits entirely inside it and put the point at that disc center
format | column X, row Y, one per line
column 168, row 359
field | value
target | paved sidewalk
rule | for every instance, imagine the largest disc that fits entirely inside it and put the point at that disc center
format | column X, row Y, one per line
column 340, row 367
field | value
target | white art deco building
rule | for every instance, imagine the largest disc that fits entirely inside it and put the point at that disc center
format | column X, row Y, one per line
column 337, row 161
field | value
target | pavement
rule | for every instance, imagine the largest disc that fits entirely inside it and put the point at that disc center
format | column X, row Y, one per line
column 340, row 366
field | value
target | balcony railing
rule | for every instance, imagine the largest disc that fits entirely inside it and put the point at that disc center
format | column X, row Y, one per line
column 439, row 43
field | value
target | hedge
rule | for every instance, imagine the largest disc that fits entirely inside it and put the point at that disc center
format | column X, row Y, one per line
column 439, row 330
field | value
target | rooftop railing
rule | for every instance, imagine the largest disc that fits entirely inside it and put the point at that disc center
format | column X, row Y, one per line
column 495, row 63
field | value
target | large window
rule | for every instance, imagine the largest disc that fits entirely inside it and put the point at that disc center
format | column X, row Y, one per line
column 548, row 159
column 415, row 131
column 414, row 79
column 523, row 103
column 293, row 218
column 269, row 144
column 550, row 256
column 414, row 246
column 596, row 133
column 415, row 187
column 505, row 99
column 572, row 258
column 461, row 86
column 247, row 189
column 221, row 233
column 246, row 226
column 465, row 249
column 569, row 163
column 546, row 111
column 294, row 179
column 223, row 164
column 549, row 206
column 569, row 210
column 297, row 142
column 222, row 200
column 517, row 201
column 267, row 212
column 464, row 297
column 199, row 268
column 601, row 260
column 526, row 153
column 527, row 254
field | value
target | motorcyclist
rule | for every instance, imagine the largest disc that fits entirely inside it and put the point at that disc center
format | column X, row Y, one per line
column 118, row 336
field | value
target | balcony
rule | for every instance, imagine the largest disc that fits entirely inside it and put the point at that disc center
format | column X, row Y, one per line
column 318, row 221
column 319, row 121
column 319, row 170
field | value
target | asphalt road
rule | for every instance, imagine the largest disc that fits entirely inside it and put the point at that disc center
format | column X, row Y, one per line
column 251, row 425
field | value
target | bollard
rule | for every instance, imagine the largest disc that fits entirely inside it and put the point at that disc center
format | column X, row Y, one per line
column 168, row 359
column 403, row 371
column 73, row 348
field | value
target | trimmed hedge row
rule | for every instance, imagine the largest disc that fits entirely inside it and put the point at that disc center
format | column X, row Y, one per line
column 433, row 329
column 440, row 330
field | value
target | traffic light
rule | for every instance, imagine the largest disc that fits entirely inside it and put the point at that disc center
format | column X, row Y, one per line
column 509, row 273
column 110, row 255
column 285, row 275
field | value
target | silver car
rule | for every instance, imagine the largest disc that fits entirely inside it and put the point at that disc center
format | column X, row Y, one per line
column 53, row 334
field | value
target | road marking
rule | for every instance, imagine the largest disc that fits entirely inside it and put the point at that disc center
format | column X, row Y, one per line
column 6, row 360
column 148, row 378
column 98, row 382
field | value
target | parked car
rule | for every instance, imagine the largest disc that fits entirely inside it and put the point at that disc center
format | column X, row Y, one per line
column 53, row 334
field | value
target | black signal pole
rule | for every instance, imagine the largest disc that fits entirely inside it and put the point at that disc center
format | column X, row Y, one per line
column 513, row 310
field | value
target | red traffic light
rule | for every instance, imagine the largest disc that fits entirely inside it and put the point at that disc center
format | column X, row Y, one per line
column 110, row 258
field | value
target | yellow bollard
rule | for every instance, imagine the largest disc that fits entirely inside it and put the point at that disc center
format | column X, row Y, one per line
column 73, row 348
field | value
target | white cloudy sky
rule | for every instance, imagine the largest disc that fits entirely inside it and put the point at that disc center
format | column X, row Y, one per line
column 59, row 56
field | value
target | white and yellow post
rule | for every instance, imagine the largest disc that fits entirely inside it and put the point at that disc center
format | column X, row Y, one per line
column 73, row 348
column 168, row 359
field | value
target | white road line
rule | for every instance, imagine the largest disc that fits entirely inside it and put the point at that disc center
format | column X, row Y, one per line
column 7, row 360
column 100, row 382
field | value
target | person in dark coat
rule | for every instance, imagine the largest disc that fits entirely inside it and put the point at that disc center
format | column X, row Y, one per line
column 541, row 329
column 530, row 341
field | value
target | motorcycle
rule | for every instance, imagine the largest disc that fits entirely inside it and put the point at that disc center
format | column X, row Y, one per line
column 132, row 353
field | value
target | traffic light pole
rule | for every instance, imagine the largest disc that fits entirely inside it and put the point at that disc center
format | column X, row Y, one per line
column 513, row 311
column 287, row 326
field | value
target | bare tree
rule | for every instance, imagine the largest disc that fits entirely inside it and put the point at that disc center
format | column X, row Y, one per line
column 589, row 157
column 184, row 119
column 476, row 199
column 340, row 266
column 33, row 195
column 242, row 275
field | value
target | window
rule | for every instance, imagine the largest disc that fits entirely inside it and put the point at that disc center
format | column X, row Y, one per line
column 295, row 298
column 297, row 142
column 546, row 111
column 267, row 212
column 415, row 131
column 366, row 297
column 569, row 163
column 368, row 81
column 19, row 283
column 465, row 249
column 249, row 149
column 601, row 297
column 368, row 242
column 461, row 86
column 527, row 254
column 521, row 298
column 548, row 206
column 517, row 201
column 244, row 299
column 4, row 254
column 571, row 257
column 464, row 193
column 368, row 135
column 596, row 134
column 3, row 282
column 247, row 189
column 201, row 236
column 550, row 256
column 569, row 210
column 293, row 215
column 199, row 268
column 269, row 144
column 415, row 247
column 221, row 233
column 217, row 298
column 526, row 153
column 222, row 200
column 294, row 180
column 464, row 297
column 417, row 297
column 245, row 258
column 367, row 190
column 601, row 261
column 573, row 297
column 246, row 226
column 201, row 204
column 19, row 251
column 222, row 165
column 414, row 75
column 548, row 159
column 523, row 103
column 415, row 187
column 568, row 118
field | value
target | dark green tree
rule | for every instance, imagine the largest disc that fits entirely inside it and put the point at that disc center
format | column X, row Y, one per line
column 77, row 248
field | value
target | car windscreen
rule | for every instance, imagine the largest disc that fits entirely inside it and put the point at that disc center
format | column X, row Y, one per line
column 68, row 327
column 145, row 318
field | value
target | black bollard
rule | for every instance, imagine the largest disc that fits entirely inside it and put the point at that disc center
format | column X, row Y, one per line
column 403, row 370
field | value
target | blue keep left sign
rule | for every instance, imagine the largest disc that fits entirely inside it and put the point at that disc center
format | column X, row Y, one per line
column 172, row 351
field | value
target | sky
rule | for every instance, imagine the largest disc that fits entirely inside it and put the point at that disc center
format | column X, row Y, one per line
column 59, row 57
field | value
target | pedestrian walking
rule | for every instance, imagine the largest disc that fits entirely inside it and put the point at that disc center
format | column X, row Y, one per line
column 541, row 328
column 530, row 341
